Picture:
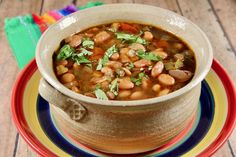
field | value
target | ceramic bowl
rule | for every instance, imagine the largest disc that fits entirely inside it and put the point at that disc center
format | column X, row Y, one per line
column 122, row 127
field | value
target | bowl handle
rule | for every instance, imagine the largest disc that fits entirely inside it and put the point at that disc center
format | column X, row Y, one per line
column 73, row 108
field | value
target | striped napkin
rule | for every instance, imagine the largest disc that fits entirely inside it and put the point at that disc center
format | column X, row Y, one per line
column 23, row 32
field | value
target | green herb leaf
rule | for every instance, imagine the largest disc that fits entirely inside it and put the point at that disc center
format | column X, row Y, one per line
column 84, row 52
column 80, row 59
column 88, row 43
column 65, row 52
column 179, row 64
column 111, row 51
column 114, row 87
column 148, row 56
column 106, row 57
column 169, row 65
column 100, row 94
column 131, row 38
column 138, row 81
column 174, row 65
column 130, row 66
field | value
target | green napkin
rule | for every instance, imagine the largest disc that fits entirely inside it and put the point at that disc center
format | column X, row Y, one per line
column 22, row 34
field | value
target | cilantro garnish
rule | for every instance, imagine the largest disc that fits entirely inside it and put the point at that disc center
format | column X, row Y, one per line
column 80, row 59
column 100, row 94
column 106, row 57
column 138, row 81
column 131, row 38
column 148, row 56
column 114, row 87
column 130, row 66
column 65, row 52
column 174, row 65
column 85, row 52
column 88, row 43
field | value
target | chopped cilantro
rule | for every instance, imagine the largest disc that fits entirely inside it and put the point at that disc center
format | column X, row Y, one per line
column 85, row 52
column 80, row 59
column 138, row 80
column 174, row 65
column 87, row 43
column 106, row 57
column 100, row 94
column 130, row 66
column 65, row 52
column 179, row 64
column 131, row 38
column 114, row 87
column 148, row 56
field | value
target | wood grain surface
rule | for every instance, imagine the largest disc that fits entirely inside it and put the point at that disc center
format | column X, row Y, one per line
column 217, row 18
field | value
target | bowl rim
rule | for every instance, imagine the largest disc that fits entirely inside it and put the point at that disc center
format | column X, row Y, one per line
column 82, row 98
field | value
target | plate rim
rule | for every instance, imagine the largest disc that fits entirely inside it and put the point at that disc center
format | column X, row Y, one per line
column 39, row 148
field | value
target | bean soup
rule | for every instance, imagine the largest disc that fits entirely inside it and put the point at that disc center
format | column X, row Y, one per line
column 124, row 61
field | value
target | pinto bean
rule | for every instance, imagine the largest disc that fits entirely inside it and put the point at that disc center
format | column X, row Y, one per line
column 71, row 84
column 107, row 71
column 90, row 94
column 110, row 95
column 61, row 69
column 75, row 89
column 127, row 71
column 76, row 40
column 166, row 79
column 157, row 69
column 164, row 92
column 124, row 93
column 178, row 46
column 62, row 62
column 101, row 37
column 125, row 83
column 115, row 56
column 105, row 85
column 148, row 36
column 114, row 64
column 131, row 53
column 96, row 80
column 87, row 70
column 162, row 54
column 137, row 46
column 68, row 77
column 181, row 75
column 156, row 88
column 76, row 66
column 137, row 95
column 97, row 74
column 145, row 83
column 115, row 26
column 124, row 58
column 142, row 63
column 179, row 56
column 124, row 50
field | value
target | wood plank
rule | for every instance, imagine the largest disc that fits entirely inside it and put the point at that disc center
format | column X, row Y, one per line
column 83, row 2
column 201, row 13
column 49, row 5
column 167, row 4
column 226, row 12
column 23, row 150
column 9, row 71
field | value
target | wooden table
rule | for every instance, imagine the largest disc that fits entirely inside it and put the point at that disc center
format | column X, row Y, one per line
column 216, row 17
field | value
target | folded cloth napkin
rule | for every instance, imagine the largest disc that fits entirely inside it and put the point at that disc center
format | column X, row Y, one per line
column 23, row 32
